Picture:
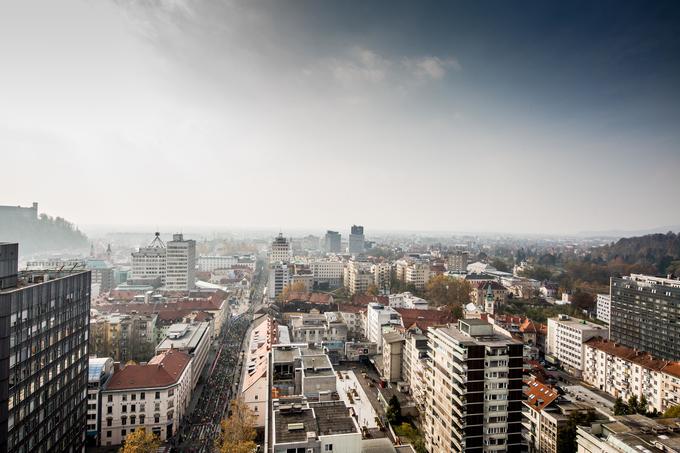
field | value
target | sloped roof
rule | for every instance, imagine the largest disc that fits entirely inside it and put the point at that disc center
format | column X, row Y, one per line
column 161, row 371
column 424, row 319
column 539, row 395
column 641, row 358
column 527, row 326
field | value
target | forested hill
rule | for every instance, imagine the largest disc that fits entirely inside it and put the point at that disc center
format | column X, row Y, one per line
column 659, row 253
column 41, row 234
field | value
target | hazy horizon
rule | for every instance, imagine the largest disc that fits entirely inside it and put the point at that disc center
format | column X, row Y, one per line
column 549, row 119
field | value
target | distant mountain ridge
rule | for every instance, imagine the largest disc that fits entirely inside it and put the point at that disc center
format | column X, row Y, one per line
column 629, row 233
column 658, row 252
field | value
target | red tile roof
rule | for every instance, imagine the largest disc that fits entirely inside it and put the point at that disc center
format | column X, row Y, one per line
column 539, row 395
column 161, row 371
column 350, row 308
column 641, row 358
column 365, row 299
column 424, row 319
column 527, row 326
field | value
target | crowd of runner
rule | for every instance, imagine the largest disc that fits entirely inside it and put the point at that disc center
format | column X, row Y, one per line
column 202, row 426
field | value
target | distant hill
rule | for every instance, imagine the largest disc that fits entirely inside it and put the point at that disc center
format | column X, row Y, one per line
column 616, row 234
column 657, row 252
column 39, row 233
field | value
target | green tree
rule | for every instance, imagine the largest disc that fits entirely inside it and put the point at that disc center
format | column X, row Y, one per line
column 642, row 405
column 672, row 412
column 393, row 411
column 566, row 441
column 140, row 441
column 633, row 404
column 620, row 407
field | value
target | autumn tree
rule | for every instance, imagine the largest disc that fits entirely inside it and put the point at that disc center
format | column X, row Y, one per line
column 238, row 431
column 672, row 412
column 140, row 441
column 296, row 287
column 372, row 290
column 453, row 292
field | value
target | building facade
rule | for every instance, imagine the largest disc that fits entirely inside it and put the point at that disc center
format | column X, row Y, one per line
column 180, row 272
column 332, row 242
column 566, row 337
column 644, row 314
column 280, row 251
column 100, row 370
column 43, row 357
column 154, row 396
column 356, row 240
column 474, row 390
column 149, row 262
column 603, row 307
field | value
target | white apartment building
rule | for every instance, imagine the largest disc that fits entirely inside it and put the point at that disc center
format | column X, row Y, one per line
column 209, row 263
column 418, row 274
column 377, row 316
column 327, row 272
column 566, row 337
column 150, row 262
column 414, row 366
column 474, row 390
column 279, row 278
column 280, row 251
column 193, row 339
column 180, row 270
column 623, row 372
column 154, row 396
column 100, row 370
column 382, row 276
column 603, row 307
column 358, row 276
column 407, row 300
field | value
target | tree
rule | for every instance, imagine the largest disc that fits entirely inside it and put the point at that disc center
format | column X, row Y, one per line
column 500, row 264
column 620, row 408
column 566, row 440
column 393, row 411
column 296, row 287
column 372, row 290
column 140, row 441
column 672, row 412
column 443, row 290
column 642, row 405
column 238, row 431
column 633, row 404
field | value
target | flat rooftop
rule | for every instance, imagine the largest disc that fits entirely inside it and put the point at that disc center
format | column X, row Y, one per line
column 37, row 277
column 187, row 342
column 292, row 422
column 317, row 365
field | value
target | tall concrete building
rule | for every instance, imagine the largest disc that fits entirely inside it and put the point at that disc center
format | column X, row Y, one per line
column 474, row 390
column 458, row 262
column 281, row 251
column 180, row 267
column 644, row 314
column 279, row 278
column 332, row 242
column 44, row 317
column 149, row 262
column 356, row 240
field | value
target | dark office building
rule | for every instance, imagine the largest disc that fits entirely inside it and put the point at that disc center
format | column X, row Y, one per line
column 356, row 240
column 44, row 318
column 332, row 242
column 645, row 314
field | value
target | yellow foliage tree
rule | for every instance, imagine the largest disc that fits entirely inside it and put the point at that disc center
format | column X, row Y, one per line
column 238, row 431
column 297, row 287
column 140, row 441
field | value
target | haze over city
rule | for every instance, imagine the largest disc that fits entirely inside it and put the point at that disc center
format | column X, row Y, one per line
column 429, row 116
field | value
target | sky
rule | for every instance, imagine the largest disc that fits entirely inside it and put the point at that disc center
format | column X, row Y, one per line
column 518, row 117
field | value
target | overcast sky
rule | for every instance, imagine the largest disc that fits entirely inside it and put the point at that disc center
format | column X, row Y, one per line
column 488, row 116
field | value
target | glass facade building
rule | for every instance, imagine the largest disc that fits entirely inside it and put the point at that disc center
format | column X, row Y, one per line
column 44, row 322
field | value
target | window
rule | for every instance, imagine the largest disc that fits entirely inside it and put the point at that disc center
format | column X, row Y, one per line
column 110, row 398
column 141, row 396
column 123, row 420
column 109, row 410
column 158, row 395
column 109, row 421
column 133, row 408
column 124, row 397
column 108, row 433
column 141, row 419
column 156, row 418
column 133, row 397
column 328, row 447
column 124, row 408
column 123, row 432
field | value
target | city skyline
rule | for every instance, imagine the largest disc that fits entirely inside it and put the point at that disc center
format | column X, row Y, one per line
column 552, row 119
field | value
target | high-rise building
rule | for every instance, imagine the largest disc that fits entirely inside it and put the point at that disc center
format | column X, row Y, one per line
column 603, row 307
column 457, row 262
column 356, row 240
column 280, row 251
column 279, row 278
column 332, row 242
column 358, row 276
column 180, row 268
column 44, row 317
column 644, row 314
column 149, row 262
column 565, row 340
column 474, row 390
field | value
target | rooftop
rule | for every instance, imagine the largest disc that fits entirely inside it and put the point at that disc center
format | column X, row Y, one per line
column 162, row 370
column 293, row 422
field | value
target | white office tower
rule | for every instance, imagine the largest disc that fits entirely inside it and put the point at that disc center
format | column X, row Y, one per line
column 356, row 240
column 180, row 272
column 149, row 262
column 280, row 251
column 279, row 278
